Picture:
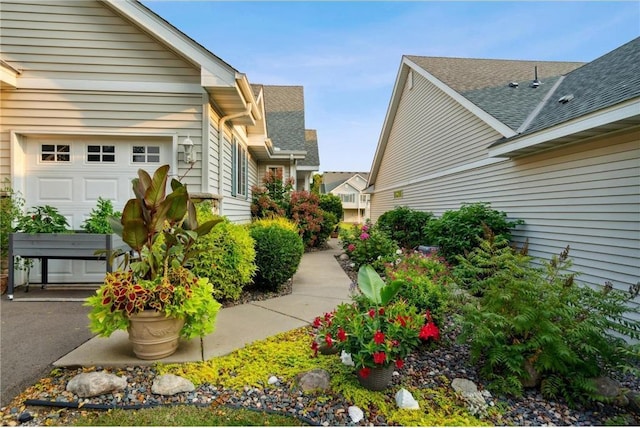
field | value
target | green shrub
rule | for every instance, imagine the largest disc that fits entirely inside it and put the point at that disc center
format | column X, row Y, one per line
column 459, row 231
column 426, row 279
column 333, row 204
column 272, row 198
column 98, row 220
column 539, row 317
column 366, row 245
column 329, row 224
column 226, row 256
column 278, row 253
column 405, row 226
column 304, row 209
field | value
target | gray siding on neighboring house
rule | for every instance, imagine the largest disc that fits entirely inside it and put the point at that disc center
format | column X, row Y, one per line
column 585, row 195
column 85, row 69
column 430, row 133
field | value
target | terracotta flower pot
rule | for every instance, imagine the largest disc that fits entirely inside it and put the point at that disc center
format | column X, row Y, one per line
column 153, row 335
column 379, row 378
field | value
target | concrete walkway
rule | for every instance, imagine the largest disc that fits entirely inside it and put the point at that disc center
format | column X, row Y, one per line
column 319, row 286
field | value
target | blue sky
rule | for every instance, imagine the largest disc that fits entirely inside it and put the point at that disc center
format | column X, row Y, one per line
column 347, row 54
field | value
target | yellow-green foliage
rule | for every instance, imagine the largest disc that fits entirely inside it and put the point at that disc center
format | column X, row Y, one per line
column 287, row 354
column 283, row 222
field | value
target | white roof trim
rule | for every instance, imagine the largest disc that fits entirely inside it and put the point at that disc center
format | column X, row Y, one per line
column 406, row 65
column 583, row 123
column 213, row 68
column 8, row 74
column 483, row 115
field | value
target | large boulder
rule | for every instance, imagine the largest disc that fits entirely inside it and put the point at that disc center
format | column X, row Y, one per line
column 170, row 384
column 95, row 383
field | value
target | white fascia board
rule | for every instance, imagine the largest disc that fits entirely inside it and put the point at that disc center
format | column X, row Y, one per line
column 602, row 117
column 171, row 36
column 481, row 114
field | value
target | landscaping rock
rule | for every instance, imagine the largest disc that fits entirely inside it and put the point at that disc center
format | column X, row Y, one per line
column 316, row 379
column 634, row 401
column 344, row 257
column 345, row 357
column 95, row 383
column 468, row 391
column 405, row 400
column 273, row 380
column 170, row 384
column 355, row 413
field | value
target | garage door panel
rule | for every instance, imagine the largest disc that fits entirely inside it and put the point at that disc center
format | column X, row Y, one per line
column 96, row 167
column 94, row 188
column 55, row 189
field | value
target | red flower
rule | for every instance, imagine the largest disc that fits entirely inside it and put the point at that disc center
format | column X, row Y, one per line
column 399, row 363
column 317, row 322
column 364, row 372
column 378, row 337
column 314, row 346
column 379, row 357
column 381, row 311
column 402, row 320
column 351, row 248
column 342, row 335
column 395, row 343
column 372, row 313
column 429, row 330
column 328, row 339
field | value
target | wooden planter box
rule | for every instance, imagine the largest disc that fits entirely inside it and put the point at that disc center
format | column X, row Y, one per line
column 44, row 246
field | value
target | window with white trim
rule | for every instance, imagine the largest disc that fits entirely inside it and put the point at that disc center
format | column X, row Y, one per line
column 240, row 165
column 146, row 154
column 55, row 153
column 101, row 154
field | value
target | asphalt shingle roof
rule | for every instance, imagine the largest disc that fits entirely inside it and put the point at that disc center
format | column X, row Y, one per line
column 284, row 110
column 332, row 179
column 611, row 79
column 311, row 145
column 485, row 82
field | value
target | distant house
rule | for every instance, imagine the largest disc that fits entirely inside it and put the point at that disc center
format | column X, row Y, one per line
column 349, row 186
column 83, row 109
column 293, row 149
column 553, row 143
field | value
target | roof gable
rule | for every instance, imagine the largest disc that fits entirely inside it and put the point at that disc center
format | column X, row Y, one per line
column 333, row 179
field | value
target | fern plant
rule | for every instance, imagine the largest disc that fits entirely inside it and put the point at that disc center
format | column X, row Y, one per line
column 539, row 317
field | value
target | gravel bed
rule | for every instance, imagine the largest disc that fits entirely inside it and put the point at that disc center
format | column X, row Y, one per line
column 423, row 369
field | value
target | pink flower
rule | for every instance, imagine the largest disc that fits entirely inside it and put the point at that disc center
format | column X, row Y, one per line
column 378, row 337
column 364, row 372
column 379, row 357
column 364, row 236
column 365, row 228
column 351, row 248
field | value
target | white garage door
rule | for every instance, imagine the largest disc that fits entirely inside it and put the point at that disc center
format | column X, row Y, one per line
column 72, row 172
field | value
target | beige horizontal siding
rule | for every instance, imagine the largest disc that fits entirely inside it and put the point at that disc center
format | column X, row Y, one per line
column 84, row 40
column 585, row 195
column 431, row 133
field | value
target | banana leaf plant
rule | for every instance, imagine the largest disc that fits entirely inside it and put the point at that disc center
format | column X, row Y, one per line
column 374, row 288
column 161, row 228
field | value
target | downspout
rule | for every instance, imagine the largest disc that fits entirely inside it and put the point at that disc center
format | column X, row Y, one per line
column 221, row 123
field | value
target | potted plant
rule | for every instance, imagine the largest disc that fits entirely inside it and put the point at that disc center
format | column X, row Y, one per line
column 98, row 220
column 326, row 330
column 154, row 286
column 378, row 331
